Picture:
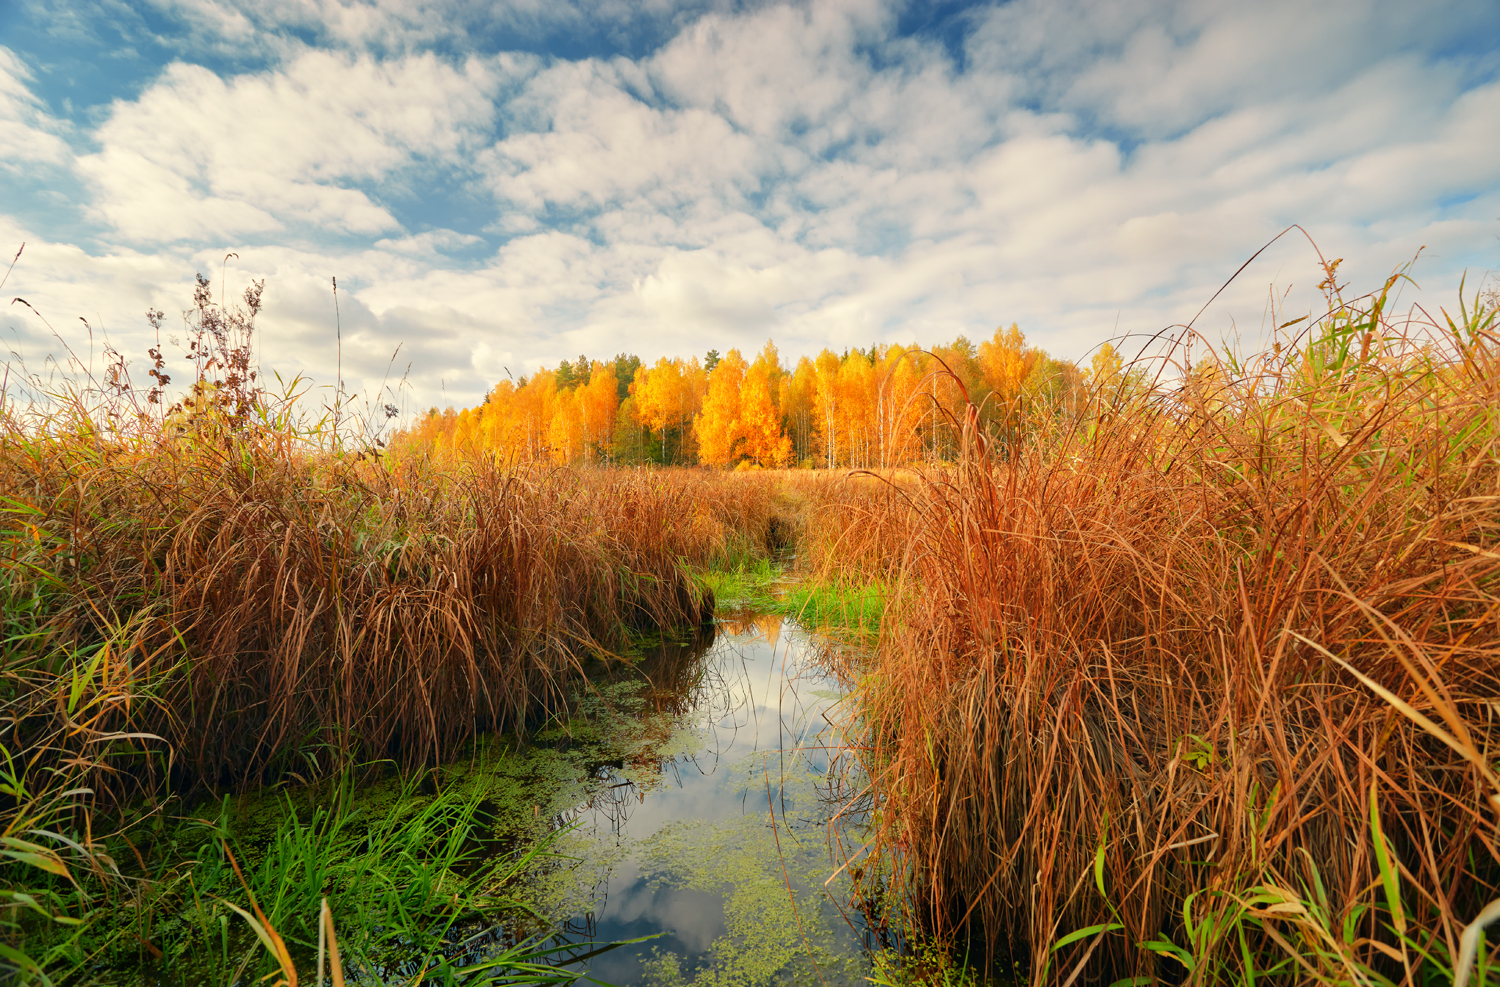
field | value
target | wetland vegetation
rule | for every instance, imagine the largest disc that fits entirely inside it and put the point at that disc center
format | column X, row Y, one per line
column 1193, row 677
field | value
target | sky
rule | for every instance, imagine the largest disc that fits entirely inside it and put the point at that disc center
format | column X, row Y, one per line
column 501, row 186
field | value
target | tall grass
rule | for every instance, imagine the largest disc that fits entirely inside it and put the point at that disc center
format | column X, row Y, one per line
column 212, row 593
column 265, row 613
column 223, row 574
column 1208, row 689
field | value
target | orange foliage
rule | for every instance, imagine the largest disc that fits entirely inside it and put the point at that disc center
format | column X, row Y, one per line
column 889, row 406
column 765, row 441
column 720, row 434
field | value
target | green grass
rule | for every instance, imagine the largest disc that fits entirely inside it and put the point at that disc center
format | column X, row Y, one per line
column 403, row 874
column 417, row 870
column 836, row 607
column 927, row 963
column 831, row 606
column 745, row 586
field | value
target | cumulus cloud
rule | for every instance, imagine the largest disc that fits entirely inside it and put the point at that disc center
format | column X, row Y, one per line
column 806, row 171
column 589, row 143
column 1157, row 69
column 199, row 157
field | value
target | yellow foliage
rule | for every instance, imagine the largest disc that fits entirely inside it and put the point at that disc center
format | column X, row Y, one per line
column 719, row 430
column 883, row 407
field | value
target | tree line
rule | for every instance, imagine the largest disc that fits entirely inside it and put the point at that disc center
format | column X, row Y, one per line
column 885, row 406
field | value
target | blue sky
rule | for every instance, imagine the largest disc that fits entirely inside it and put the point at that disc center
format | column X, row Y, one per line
column 505, row 185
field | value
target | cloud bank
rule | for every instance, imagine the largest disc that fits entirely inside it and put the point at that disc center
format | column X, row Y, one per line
column 498, row 189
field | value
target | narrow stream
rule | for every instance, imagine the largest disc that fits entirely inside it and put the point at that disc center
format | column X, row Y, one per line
column 703, row 796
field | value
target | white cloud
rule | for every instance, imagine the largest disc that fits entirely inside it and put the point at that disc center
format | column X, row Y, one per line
column 1159, row 69
column 27, row 133
column 197, row 157
column 245, row 28
column 429, row 244
column 794, row 171
column 589, row 143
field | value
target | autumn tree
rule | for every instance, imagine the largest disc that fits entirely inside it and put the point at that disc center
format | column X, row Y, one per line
column 826, row 399
column 899, row 405
column 766, row 442
column 1058, row 390
column 597, row 402
column 535, row 406
column 857, row 424
column 954, row 378
column 1006, row 362
column 719, row 430
column 668, row 396
column 885, row 406
column 659, row 395
column 740, row 417
column 798, row 411
column 1105, row 365
column 769, row 360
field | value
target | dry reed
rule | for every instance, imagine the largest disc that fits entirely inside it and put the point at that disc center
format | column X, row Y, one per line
column 1138, row 695
column 265, row 612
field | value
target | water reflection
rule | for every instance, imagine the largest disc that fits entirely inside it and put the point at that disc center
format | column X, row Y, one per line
column 708, row 816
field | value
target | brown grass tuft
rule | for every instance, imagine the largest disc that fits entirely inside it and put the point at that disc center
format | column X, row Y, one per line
column 267, row 612
column 1129, row 668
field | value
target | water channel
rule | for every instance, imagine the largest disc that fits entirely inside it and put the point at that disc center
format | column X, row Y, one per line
column 705, row 800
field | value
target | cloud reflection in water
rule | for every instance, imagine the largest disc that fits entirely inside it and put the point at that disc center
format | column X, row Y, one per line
column 697, row 835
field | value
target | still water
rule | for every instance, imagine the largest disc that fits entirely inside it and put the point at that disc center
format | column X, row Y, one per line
column 708, row 801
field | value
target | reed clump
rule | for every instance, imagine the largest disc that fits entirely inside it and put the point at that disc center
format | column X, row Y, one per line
column 727, row 521
column 857, row 529
column 1207, row 689
column 263, row 612
column 218, row 593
